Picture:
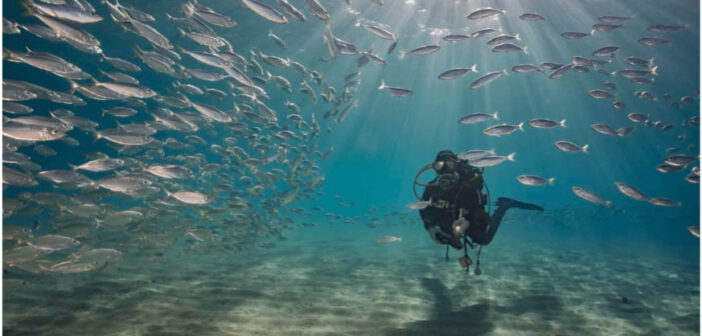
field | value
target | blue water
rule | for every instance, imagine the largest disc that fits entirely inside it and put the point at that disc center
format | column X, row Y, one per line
column 378, row 149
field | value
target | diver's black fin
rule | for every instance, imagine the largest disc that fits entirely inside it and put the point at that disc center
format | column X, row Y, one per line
column 510, row 203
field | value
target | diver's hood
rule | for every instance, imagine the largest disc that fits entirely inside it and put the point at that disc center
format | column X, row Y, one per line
column 446, row 155
column 446, row 162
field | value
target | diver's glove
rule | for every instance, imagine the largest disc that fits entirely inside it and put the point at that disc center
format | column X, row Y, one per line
column 441, row 238
column 460, row 226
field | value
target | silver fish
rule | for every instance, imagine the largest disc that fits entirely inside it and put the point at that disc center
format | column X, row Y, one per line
column 16, row 178
column 31, row 132
column 265, row 11
column 605, row 51
column 503, row 129
column 388, row 239
column 100, row 165
column 534, row 180
column 570, row 147
column 590, row 196
column 64, row 12
column 477, row 117
column 489, row 161
column 664, row 202
column 666, row 168
column 600, row 94
column 69, row 32
column 631, row 191
column 487, row 79
column 395, row 91
column 169, row 171
column 291, row 10
column 125, row 184
column 532, row 17
column 52, row 242
column 121, row 137
column 472, row 155
column 636, row 73
column 423, row 50
column 211, row 112
column 576, row 35
column 666, row 28
column 526, row 68
column 637, row 117
column 484, row 12
column 204, row 39
column 209, row 15
column 502, row 38
column 120, row 63
column 546, row 123
column 509, row 47
column 604, row 129
column 680, row 160
column 653, row 41
column 455, row 73
column 377, row 31
column 190, row 197
column 151, row 34
column 317, row 9
column 127, row 89
column 614, row 19
column 455, row 37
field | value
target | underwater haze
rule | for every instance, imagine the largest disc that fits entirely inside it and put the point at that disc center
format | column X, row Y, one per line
column 246, row 167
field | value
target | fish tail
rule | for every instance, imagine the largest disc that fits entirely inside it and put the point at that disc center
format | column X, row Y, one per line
column 525, row 50
column 592, row 32
column 382, row 85
column 550, row 181
column 516, row 37
column 654, row 70
column 562, row 123
column 608, row 204
column 521, row 126
column 28, row 10
column 6, row 54
column 585, row 148
column 73, row 84
column 96, row 136
column 511, row 157
column 73, row 167
column 494, row 115
column 137, row 51
column 474, row 68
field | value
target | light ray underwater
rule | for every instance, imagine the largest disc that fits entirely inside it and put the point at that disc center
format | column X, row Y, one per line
column 356, row 167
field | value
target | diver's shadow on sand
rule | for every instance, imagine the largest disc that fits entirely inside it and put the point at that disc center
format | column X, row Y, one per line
column 477, row 319
column 472, row 320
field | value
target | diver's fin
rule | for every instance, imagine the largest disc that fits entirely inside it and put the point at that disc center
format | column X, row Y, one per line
column 508, row 202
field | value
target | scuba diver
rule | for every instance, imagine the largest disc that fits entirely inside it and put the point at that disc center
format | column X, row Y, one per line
column 455, row 213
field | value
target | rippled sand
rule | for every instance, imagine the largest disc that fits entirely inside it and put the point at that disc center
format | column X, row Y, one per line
column 345, row 284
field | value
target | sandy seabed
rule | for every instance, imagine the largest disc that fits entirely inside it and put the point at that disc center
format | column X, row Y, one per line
column 340, row 283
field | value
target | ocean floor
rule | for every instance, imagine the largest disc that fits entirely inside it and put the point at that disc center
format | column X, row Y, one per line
column 335, row 281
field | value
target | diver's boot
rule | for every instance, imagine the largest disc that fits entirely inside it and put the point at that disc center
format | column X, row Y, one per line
column 510, row 203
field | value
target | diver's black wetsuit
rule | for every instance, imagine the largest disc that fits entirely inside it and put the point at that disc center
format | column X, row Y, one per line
column 466, row 194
